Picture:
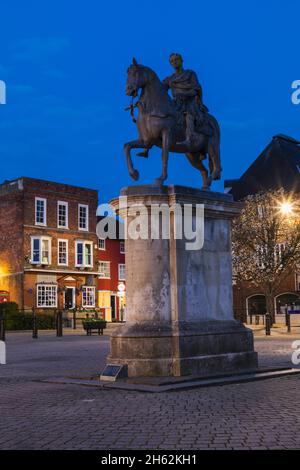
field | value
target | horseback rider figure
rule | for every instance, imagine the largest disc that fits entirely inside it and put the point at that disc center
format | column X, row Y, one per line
column 187, row 95
column 181, row 125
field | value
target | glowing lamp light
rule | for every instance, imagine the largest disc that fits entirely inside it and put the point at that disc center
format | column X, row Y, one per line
column 286, row 208
column 3, row 270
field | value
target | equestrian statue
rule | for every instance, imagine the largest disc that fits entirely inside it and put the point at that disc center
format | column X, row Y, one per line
column 180, row 124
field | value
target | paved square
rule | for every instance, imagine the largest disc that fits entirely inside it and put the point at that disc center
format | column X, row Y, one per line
column 36, row 415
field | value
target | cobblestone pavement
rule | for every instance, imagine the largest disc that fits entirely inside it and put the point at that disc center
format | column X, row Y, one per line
column 35, row 415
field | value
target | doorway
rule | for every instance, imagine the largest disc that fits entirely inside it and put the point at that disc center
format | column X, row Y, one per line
column 69, row 302
column 113, row 306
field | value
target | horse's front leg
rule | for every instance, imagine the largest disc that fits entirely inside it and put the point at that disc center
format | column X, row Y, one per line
column 134, row 144
column 165, row 156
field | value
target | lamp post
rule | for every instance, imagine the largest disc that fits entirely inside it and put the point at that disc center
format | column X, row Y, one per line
column 121, row 295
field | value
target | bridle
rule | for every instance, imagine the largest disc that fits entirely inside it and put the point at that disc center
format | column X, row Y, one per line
column 132, row 107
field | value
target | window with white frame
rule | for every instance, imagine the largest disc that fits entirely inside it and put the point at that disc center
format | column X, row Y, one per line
column 261, row 256
column 84, row 254
column 83, row 217
column 122, row 247
column 40, row 211
column 62, row 214
column 40, row 250
column 263, row 252
column 101, row 243
column 104, row 269
column 88, row 296
column 46, row 295
column 122, row 276
column 63, row 252
column 279, row 252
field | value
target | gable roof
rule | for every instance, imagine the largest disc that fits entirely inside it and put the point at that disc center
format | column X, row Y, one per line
column 278, row 166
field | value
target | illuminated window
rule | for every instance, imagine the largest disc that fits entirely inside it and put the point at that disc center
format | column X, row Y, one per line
column 104, row 270
column 40, row 250
column 104, row 299
column 63, row 252
column 84, row 254
column 279, row 251
column 88, row 296
column 46, row 295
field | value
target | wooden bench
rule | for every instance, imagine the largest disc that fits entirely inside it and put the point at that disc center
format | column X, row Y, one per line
column 91, row 326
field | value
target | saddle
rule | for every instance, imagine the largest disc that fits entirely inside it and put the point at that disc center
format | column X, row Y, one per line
column 204, row 128
column 202, row 124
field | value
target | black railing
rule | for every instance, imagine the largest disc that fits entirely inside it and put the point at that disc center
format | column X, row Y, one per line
column 33, row 320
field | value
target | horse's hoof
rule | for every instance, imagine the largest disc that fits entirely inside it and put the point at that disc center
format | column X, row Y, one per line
column 216, row 175
column 135, row 175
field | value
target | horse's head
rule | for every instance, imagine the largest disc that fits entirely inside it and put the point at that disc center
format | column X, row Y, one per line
column 137, row 77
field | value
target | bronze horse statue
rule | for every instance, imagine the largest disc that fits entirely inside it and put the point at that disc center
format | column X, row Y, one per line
column 160, row 124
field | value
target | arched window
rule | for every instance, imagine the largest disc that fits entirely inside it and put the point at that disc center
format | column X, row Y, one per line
column 287, row 299
column 256, row 304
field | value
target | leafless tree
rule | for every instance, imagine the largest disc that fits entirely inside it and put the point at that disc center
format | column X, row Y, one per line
column 266, row 241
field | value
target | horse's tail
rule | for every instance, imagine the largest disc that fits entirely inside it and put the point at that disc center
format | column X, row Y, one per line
column 214, row 149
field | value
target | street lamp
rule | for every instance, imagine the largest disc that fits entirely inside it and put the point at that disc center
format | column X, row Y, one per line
column 286, row 208
column 121, row 295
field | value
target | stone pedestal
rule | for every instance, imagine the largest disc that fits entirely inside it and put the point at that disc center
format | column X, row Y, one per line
column 179, row 317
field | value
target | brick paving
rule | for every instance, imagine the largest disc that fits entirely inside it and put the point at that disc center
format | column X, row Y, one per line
column 36, row 415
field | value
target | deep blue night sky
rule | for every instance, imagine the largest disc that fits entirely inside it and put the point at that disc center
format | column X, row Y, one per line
column 64, row 63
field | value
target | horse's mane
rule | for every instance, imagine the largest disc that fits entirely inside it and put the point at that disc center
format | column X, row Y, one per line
column 144, row 68
column 159, row 103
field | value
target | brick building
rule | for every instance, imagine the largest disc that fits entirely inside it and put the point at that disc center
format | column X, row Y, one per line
column 111, row 277
column 278, row 166
column 48, row 244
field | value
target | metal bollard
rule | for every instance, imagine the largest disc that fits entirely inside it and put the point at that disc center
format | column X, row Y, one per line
column 34, row 325
column 288, row 322
column 256, row 319
column 268, row 324
column 2, row 328
column 2, row 353
column 74, row 320
column 59, row 324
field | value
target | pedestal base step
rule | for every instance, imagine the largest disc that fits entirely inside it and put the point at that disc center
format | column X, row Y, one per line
column 203, row 366
column 187, row 348
column 168, row 384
